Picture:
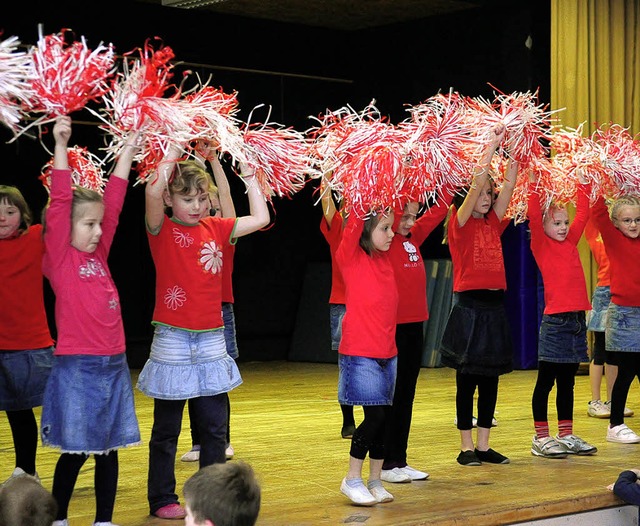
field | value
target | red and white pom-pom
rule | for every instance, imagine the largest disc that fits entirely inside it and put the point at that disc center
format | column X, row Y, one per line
column 86, row 170
column 15, row 83
column 140, row 79
column 281, row 158
column 621, row 160
column 440, row 149
column 66, row 76
column 369, row 180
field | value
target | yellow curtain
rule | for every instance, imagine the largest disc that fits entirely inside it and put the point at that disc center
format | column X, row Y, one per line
column 595, row 71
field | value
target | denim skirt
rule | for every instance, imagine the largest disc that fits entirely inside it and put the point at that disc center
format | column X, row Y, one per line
column 336, row 313
column 623, row 328
column 186, row 364
column 477, row 337
column 88, row 405
column 23, row 378
column 563, row 338
column 599, row 305
column 229, row 319
column 366, row 381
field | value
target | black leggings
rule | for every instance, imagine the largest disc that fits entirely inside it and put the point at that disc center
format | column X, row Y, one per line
column 628, row 369
column 369, row 435
column 564, row 376
column 487, row 397
column 24, row 430
column 105, row 483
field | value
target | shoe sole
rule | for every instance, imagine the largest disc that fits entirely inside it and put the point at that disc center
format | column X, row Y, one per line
column 401, row 481
column 599, row 416
column 618, row 441
column 365, row 504
column 542, row 455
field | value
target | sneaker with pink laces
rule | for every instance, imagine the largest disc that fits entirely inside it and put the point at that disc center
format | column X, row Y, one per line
column 170, row 511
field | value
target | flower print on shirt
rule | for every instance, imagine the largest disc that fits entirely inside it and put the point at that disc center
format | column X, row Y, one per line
column 211, row 257
column 92, row 268
column 175, row 298
column 183, row 239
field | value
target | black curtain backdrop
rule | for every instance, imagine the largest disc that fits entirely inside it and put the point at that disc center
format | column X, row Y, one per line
column 296, row 72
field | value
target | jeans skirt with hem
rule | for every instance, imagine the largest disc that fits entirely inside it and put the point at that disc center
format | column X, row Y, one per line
column 23, row 378
column 88, row 405
column 185, row 364
column 599, row 305
column 623, row 328
column 477, row 337
column 366, row 381
column 563, row 338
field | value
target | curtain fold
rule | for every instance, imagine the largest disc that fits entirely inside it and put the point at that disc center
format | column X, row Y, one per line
column 595, row 72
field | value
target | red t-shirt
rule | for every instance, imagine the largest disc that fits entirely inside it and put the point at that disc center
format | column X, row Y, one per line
column 559, row 262
column 189, row 260
column 24, row 320
column 593, row 237
column 623, row 252
column 476, row 252
column 369, row 324
column 333, row 235
column 408, row 265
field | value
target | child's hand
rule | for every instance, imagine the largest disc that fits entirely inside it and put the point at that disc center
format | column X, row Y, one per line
column 499, row 130
column 62, row 130
column 610, row 487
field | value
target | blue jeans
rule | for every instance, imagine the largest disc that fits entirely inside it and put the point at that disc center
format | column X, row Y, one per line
column 211, row 419
column 366, row 381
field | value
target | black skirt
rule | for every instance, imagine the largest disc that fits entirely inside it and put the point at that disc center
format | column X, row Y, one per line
column 477, row 338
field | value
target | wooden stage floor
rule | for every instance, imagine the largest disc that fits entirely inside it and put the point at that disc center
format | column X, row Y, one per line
column 285, row 421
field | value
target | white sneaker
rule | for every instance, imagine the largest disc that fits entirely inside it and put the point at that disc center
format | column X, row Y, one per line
column 359, row 494
column 414, row 474
column 229, row 452
column 395, row 475
column 380, row 494
column 104, row 524
column 622, row 434
column 599, row 409
column 627, row 411
column 575, row 445
column 63, row 522
column 191, row 456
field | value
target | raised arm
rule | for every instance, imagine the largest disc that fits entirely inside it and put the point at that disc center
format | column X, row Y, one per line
column 258, row 211
column 480, row 176
column 508, row 184
column 125, row 159
column 155, row 188
column 61, row 134
column 224, row 191
column 328, row 205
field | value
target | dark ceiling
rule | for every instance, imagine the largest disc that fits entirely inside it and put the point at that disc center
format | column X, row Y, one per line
column 348, row 15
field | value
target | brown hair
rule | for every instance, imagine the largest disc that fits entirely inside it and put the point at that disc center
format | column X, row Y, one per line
column 12, row 196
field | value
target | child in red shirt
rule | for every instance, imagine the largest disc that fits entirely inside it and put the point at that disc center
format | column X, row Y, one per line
column 26, row 347
column 562, row 343
column 331, row 227
column 620, row 230
column 477, row 341
column 367, row 354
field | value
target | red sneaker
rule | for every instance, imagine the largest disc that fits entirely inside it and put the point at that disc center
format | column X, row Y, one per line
column 170, row 511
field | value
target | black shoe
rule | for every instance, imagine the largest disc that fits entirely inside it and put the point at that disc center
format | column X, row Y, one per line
column 348, row 431
column 469, row 458
column 491, row 456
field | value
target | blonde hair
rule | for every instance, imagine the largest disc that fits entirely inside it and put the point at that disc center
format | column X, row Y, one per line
column 625, row 200
column 189, row 176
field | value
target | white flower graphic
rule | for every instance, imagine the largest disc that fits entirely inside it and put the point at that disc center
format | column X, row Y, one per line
column 175, row 298
column 183, row 239
column 211, row 257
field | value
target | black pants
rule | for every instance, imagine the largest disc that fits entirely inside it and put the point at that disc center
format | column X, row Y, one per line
column 564, row 376
column 466, row 385
column 409, row 341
